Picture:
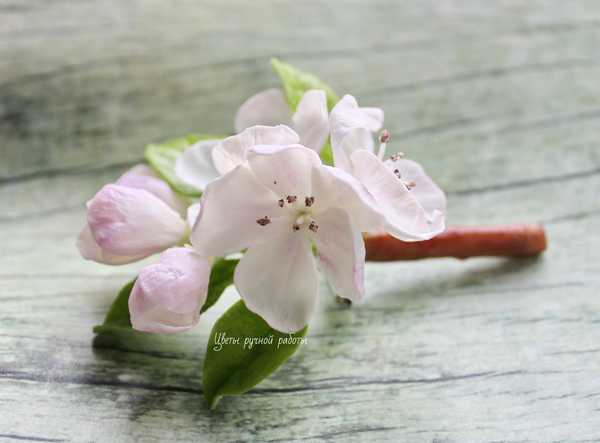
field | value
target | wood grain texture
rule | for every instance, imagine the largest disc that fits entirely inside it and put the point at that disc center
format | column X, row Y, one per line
column 500, row 102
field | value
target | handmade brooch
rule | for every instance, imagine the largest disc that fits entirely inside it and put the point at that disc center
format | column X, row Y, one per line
column 304, row 185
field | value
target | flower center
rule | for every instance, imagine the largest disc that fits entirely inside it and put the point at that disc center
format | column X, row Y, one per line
column 300, row 214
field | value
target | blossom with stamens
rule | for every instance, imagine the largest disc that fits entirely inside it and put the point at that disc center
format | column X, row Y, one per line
column 413, row 205
column 276, row 204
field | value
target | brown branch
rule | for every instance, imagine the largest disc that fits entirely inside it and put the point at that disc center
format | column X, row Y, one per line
column 519, row 240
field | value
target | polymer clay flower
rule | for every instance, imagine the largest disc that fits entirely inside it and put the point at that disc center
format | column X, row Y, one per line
column 168, row 295
column 275, row 204
column 413, row 205
column 269, row 108
column 137, row 216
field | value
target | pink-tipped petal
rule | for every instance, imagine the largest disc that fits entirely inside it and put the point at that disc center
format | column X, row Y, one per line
column 278, row 280
column 90, row 250
column 267, row 108
column 156, row 186
column 311, row 120
column 128, row 221
column 195, row 166
column 168, row 295
column 341, row 252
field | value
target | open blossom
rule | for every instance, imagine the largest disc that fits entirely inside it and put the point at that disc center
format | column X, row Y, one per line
column 413, row 205
column 275, row 204
column 269, row 108
column 168, row 295
column 137, row 216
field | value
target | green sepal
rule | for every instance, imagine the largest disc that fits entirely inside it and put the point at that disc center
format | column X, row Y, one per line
column 234, row 368
column 221, row 276
column 164, row 155
column 297, row 82
column 118, row 315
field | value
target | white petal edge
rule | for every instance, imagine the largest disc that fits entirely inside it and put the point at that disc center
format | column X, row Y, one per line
column 267, row 108
column 278, row 280
column 334, row 187
column 405, row 218
column 426, row 192
column 195, row 166
column 232, row 151
column 311, row 120
column 341, row 252
column 351, row 129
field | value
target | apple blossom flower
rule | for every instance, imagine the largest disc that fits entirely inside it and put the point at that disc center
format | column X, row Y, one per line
column 310, row 120
column 413, row 205
column 168, row 295
column 275, row 204
column 137, row 216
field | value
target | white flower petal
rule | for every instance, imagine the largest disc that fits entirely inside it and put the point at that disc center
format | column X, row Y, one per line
column 351, row 128
column 427, row 193
column 278, row 280
column 284, row 169
column 231, row 206
column 406, row 219
column 232, row 151
column 195, row 166
column 334, row 187
column 192, row 214
column 341, row 252
column 90, row 250
column 267, row 108
column 128, row 221
column 311, row 120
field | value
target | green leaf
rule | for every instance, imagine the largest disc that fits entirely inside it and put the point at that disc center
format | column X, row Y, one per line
column 118, row 314
column 297, row 82
column 232, row 368
column 164, row 155
column 221, row 276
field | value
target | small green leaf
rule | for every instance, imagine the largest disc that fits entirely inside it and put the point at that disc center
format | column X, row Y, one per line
column 327, row 153
column 221, row 276
column 297, row 82
column 164, row 155
column 118, row 314
column 233, row 365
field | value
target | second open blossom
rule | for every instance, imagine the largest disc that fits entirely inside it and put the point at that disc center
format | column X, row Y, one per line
column 275, row 205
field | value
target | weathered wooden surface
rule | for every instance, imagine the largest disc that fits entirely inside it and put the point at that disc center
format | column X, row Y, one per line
column 500, row 101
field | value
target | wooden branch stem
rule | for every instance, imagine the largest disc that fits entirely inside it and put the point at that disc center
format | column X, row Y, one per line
column 518, row 240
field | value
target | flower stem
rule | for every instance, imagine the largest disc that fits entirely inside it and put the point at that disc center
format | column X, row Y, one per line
column 518, row 240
